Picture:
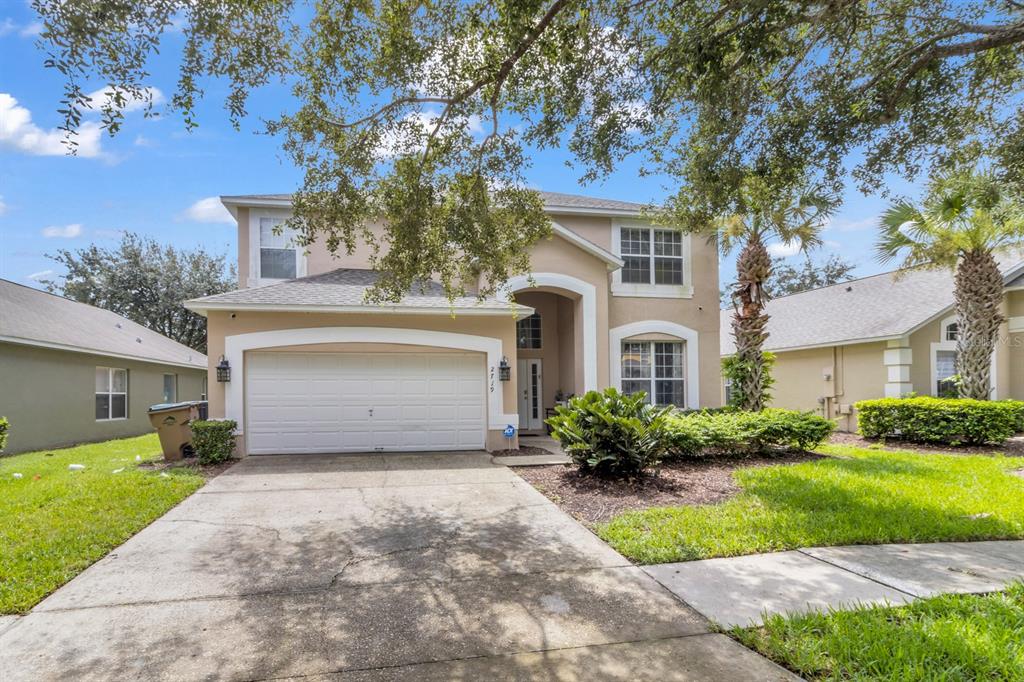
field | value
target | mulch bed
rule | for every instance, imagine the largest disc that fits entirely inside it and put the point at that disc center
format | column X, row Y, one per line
column 592, row 500
column 1011, row 448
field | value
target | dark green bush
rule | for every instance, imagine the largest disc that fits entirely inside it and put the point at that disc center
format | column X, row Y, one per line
column 611, row 434
column 952, row 421
column 213, row 441
column 5, row 426
column 746, row 432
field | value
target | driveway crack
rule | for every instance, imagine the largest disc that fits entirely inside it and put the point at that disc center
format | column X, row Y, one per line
column 275, row 531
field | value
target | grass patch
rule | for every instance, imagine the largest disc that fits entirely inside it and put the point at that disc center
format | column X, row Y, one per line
column 855, row 496
column 57, row 522
column 951, row 637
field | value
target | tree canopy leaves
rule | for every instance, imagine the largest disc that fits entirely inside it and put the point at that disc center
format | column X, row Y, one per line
column 423, row 114
column 147, row 283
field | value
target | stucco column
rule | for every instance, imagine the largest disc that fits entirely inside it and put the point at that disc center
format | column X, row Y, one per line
column 898, row 359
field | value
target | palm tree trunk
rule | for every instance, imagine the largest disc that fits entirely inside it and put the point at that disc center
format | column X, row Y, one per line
column 753, row 267
column 978, row 295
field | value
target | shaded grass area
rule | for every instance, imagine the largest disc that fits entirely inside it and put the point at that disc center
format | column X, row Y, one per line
column 854, row 496
column 950, row 637
column 57, row 522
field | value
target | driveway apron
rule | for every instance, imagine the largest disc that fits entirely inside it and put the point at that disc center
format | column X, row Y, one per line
column 427, row 566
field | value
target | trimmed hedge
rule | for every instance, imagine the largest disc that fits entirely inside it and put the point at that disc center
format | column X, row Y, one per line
column 952, row 421
column 5, row 426
column 214, row 441
column 611, row 434
column 702, row 433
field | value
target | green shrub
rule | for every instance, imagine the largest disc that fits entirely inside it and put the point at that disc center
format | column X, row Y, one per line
column 735, row 372
column 952, row 421
column 611, row 434
column 746, row 432
column 213, row 441
column 5, row 426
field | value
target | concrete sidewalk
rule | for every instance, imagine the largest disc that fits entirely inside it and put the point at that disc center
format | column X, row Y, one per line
column 740, row 590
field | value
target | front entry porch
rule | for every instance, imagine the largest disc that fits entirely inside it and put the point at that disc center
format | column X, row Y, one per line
column 548, row 368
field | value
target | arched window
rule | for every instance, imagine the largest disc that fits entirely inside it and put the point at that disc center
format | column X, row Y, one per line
column 950, row 332
column 528, row 334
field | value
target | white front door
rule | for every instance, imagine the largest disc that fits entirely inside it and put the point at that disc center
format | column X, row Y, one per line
column 531, row 408
column 360, row 402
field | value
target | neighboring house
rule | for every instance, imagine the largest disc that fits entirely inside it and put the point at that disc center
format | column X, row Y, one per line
column 883, row 336
column 314, row 368
column 73, row 373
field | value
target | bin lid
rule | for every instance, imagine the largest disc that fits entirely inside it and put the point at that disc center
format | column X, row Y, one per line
column 167, row 407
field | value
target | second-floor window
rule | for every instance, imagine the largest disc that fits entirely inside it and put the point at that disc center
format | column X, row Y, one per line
column 651, row 256
column 279, row 253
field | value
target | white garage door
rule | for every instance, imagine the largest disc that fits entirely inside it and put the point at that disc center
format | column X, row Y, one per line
column 361, row 402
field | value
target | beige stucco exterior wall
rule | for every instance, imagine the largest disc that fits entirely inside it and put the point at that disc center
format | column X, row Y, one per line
column 221, row 324
column 857, row 373
column 49, row 396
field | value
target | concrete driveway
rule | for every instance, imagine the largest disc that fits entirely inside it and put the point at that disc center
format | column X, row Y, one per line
column 439, row 566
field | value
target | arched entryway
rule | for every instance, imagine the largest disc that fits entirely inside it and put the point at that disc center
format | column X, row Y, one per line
column 556, row 347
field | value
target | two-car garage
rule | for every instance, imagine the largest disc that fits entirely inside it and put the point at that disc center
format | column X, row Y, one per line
column 324, row 402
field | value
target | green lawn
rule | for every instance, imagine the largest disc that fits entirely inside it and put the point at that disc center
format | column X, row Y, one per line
column 57, row 522
column 855, row 496
column 951, row 637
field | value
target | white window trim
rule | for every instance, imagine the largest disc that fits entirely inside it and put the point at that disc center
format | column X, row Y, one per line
column 685, row 290
column 540, row 319
column 173, row 399
column 111, row 393
column 652, row 380
column 254, row 278
column 691, row 352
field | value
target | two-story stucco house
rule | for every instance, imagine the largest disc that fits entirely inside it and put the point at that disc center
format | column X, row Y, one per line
column 314, row 368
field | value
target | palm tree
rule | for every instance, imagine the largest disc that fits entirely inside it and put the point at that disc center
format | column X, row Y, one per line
column 794, row 218
column 965, row 218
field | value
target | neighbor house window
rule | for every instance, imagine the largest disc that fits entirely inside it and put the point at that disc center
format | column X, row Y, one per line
column 945, row 370
column 656, row 369
column 111, row 393
column 651, row 256
column 170, row 388
column 528, row 332
column 278, row 251
column 952, row 330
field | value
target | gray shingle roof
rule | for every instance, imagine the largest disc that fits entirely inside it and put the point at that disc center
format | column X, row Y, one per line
column 36, row 317
column 877, row 307
column 552, row 201
column 343, row 288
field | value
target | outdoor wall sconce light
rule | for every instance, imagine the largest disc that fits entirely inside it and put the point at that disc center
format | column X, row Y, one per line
column 223, row 370
column 504, row 371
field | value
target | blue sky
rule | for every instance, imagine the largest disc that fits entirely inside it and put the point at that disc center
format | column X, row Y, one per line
column 153, row 177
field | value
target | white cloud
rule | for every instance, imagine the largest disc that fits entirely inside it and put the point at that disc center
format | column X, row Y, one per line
column 208, row 210
column 101, row 97
column 783, row 250
column 143, row 141
column 7, row 26
column 62, row 232
column 42, row 274
column 3, row 205
column 33, row 29
column 847, row 225
column 18, row 132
